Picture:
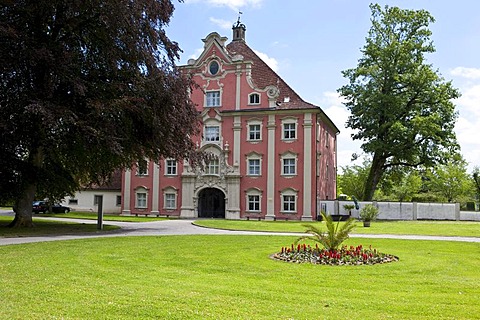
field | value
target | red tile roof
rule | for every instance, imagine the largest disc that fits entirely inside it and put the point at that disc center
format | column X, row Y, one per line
column 263, row 76
column 112, row 184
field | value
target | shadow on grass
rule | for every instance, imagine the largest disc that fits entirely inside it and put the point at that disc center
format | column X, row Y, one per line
column 50, row 228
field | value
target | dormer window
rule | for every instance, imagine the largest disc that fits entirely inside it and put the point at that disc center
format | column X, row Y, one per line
column 214, row 67
column 254, row 98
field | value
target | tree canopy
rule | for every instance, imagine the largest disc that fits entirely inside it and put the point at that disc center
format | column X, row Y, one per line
column 86, row 87
column 401, row 108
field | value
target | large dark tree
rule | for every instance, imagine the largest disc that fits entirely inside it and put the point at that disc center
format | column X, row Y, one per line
column 86, row 87
column 400, row 107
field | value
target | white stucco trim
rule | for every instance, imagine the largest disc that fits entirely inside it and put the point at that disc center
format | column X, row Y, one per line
column 307, row 167
column 271, row 169
column 237, row 128
column 155, row 188
column 126, row 189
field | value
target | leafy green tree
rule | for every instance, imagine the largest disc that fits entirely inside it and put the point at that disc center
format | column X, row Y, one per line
column 407, row 187
column 352, row 180
column 476, row 181
column 86, row 87
column 451, row 181
column 400, row 106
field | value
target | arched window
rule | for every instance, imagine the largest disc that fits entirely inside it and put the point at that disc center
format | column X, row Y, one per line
column 253, row 98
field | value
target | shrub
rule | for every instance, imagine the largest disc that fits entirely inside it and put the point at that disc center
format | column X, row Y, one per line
column 335, row 234
column 369, row 213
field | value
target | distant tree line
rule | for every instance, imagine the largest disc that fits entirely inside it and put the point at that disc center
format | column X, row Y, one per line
column 449, row 182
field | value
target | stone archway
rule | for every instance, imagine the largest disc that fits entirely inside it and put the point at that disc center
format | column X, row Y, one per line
column 211, row 203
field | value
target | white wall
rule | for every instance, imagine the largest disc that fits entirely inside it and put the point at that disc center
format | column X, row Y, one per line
column 404, row 210
column 86, row 201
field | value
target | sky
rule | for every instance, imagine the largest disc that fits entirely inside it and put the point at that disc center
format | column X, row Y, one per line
column 309, row 42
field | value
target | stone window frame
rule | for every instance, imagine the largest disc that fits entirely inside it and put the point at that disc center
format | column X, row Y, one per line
column 254, row 99
column 213, row 98
column 289, row 197
column 141, row 203
column 290, row 156
column 171, row 167
column 170, row 191
column 289, row 134
column 253, row 192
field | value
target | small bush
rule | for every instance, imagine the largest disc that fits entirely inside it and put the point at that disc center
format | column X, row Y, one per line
column 369, row 213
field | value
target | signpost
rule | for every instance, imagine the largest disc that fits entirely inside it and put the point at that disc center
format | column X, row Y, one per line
column 100, row 212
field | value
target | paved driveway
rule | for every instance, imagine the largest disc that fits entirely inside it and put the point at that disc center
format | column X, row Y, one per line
column 185, row 227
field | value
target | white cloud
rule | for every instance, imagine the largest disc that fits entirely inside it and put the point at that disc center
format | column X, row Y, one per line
column 196, row 54
column 469, row 73
column 466, row 128
column 468, row 123
column 223, row 24
column 271, row 62
column 233, row 4
column 470, row 100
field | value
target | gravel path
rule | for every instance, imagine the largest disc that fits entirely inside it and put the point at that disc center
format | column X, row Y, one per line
column 185, row 227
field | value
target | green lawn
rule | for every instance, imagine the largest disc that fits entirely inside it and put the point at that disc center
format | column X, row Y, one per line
column 49, row 227
column 232, row 277
column 438, row 228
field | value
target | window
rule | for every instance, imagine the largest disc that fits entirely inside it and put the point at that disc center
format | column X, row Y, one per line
column 289, row 165
column 288, row 198
column 288, row 203
column 254, row 98
column 212, row 167
column 170, row 201
column 212, row 133
column 170, row 167
column 141, row 199
column 73, row 201
column 253, row 198
column 118, row 201
column 254, row 132
column 213, row 99
column 97, row 199
column 142, row 168
column 254, row 167
column 253, row 202
column 289, row 131
column 214, row 67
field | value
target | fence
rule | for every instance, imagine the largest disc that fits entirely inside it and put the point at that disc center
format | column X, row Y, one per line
column 403, row 210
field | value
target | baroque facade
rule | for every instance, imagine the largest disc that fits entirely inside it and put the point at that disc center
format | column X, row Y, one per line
column 274, row 153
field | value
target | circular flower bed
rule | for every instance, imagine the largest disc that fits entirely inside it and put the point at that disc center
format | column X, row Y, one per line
column 303, row 253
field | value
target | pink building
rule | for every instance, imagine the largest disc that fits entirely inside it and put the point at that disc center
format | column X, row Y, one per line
column 275, row 154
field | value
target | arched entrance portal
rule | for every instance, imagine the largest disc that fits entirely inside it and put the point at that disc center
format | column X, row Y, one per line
column 211, row 203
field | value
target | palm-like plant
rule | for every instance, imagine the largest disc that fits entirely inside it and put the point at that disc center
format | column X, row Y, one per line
column 333, row 237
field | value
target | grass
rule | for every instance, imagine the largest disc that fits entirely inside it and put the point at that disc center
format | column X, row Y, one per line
column 49, row 227
column 437, row 228
column 106, row 217
column 231, row 277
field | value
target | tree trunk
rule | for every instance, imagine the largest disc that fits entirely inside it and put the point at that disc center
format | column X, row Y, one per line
column 23, row 204
column 23, row 208
column 374, row 176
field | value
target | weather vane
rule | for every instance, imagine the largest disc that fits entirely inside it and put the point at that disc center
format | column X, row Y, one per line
column 238, row 20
